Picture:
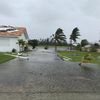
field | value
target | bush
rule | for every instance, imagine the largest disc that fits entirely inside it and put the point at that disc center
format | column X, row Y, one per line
column 14, row 50
column 26, row 49
column 46, row 47
column 93, row 49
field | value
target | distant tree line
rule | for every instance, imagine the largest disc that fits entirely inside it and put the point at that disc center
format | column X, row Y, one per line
column 60, row 39
column 50, row 42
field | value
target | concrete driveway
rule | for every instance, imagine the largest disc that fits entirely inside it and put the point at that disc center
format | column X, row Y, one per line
column 46, row 77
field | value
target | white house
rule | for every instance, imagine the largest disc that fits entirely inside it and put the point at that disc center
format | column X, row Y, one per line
column 9, row 36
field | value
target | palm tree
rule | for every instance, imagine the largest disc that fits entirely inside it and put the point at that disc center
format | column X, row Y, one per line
column 74, row 36
column 58, row 37
column 22, row 44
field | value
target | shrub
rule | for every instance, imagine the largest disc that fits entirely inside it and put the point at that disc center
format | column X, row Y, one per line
column 14, row 50
column 46, row 47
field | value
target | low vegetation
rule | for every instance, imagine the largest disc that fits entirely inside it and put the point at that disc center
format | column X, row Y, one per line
column 76, row 56
column 5, row 58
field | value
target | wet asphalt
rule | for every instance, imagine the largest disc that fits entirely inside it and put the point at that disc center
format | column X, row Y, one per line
column 46, row 75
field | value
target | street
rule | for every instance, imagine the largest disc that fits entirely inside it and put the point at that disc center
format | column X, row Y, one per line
column 46, row 77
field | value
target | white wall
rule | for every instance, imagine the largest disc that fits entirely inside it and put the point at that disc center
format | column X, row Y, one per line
column 14, row 44
column 22, row 37
column 8, row 43
column 4, row 44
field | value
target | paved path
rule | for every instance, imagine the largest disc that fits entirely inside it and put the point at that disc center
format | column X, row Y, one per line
column 46, row 77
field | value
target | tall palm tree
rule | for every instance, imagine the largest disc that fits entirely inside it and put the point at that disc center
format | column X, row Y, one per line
column 74, row 36
column 58, row 37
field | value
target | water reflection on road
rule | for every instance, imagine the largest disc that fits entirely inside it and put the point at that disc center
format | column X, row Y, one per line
column 45, row 72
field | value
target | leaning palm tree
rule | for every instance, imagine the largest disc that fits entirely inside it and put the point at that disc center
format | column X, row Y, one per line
column 58, row 37
column 74, row 36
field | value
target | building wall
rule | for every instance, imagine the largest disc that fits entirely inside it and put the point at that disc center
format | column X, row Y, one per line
column 14, row 44
column 22, row 37
column 7, row 44
column 4, row 44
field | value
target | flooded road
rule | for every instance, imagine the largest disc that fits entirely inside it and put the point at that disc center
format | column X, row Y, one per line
column 46, row 74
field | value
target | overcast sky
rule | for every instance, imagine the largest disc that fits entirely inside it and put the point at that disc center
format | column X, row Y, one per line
column 43, row 17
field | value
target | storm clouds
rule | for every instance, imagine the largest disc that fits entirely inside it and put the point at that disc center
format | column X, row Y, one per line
column 43, row 17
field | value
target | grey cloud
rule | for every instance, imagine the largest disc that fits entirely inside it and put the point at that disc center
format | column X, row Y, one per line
column 92, row 8
column 43, row 17
column 49, row 15
column 6, row 9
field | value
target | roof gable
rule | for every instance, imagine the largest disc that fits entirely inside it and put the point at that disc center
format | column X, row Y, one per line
column 12, row 31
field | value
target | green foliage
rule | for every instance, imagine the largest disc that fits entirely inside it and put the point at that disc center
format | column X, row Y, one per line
column 75, row 34
column 84, row 42
column 26, row 48
column 33, row 43
column 78, row 47
column 46, row 47
column 87, row 58
column 77, row 56
column 5, row 58
column 94, row 47
column 51, row 42
column 58, row 37
column 22, row 44
column 14, row 50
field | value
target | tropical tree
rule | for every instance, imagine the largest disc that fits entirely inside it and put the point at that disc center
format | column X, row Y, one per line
column 84, row 42
column 74, row 36
column 33, row 43
column 78, row 47
column 47, row 42
column 58, row 37
column 96, row 45
column 22, row 44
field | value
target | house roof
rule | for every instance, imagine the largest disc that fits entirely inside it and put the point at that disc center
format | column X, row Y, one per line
column 12, row 31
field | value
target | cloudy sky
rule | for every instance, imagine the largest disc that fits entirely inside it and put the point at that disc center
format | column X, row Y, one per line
column 43, row 17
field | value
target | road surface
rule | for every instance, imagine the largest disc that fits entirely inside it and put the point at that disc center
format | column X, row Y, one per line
column 46, row 77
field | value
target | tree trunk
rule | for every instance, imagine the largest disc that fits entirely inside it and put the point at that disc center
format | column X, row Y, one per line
column 70, row 44
column 20, row 48
column 55, row 46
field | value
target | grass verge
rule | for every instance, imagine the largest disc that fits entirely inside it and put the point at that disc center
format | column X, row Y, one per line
column 76, row 56
column 5, row 58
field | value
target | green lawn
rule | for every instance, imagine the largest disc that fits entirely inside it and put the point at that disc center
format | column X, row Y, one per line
column 5, row 58
column 76, row 56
